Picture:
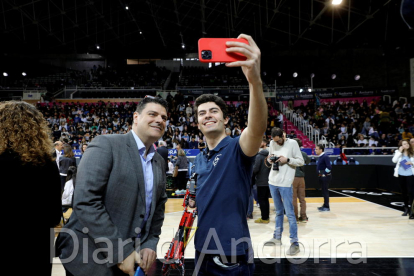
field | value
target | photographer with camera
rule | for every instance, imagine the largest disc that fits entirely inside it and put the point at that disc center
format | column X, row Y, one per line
column 284, row 157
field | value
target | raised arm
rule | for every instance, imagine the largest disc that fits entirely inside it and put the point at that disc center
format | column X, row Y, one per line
column 252, row 136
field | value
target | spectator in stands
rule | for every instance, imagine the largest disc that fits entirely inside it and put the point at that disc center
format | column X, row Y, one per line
column 281, row 178
column 366, row 126
column 343, row 132
column 83, row 148
column 26, row 160
column 193, row 143
column 299, row 187
column 261, row 177
column 65, row 161
column 404, row 170
column 407, row 135
column 362, row 142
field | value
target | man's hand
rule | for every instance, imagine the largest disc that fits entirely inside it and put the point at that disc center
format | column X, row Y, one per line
column 282, row 160
column 250, row 66
column 148, row 257
column 128, row 265
column 268, row 159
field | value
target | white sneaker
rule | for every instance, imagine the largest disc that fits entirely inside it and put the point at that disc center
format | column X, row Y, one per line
column 273, row 242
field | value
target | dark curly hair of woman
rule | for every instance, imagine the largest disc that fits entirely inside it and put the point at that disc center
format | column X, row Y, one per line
column 24, row 131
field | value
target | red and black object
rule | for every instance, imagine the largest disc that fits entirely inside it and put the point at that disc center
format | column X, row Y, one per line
column 174, row 258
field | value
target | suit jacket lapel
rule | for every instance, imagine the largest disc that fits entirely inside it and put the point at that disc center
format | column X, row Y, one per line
column 136, row 159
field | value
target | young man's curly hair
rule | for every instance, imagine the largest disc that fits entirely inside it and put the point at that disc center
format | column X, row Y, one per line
column 24, row 130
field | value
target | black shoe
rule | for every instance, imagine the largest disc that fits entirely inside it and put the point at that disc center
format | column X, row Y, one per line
column 406, row 210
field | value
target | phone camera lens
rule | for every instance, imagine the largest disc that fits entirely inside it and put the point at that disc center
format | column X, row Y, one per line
column 206, row 54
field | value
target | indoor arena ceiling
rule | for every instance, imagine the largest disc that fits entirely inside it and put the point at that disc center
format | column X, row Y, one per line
column 154, row 28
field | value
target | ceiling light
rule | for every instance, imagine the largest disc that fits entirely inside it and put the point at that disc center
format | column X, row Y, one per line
column 333, row 76
column 279, row 74
column 309, row 90
column 295, row 75
column 24, row 74
column 140, row 32
column 300, row 90
column 126, row 8
column 336, row 2
column 97, row 47
column 5, row 74
column 357, row 77
column 183, row 45
column 312, row 75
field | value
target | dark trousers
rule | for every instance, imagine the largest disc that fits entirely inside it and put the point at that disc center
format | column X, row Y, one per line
column 263, row 195
column 299, row 192
column 407, row 188
column 62, row 182
column 324, row 182
column 180, row 182
column 208, row 267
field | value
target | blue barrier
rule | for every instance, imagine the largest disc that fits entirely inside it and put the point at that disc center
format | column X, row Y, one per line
column 328, row 151
column 188, row 152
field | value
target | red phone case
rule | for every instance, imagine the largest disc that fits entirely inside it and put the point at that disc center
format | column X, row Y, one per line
column 217, row 46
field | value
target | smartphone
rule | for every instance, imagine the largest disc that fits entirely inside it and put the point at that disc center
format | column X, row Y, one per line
column 139, row 272
column 214, row 50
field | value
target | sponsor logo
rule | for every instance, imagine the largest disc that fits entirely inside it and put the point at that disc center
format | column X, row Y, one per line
column 366, row 92
column 344, row 94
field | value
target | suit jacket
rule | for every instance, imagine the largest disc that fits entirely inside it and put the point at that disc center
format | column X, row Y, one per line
column 109, row 203
column 163, row 151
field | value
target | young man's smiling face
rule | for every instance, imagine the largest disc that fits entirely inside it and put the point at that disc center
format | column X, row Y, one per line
column 210, row 118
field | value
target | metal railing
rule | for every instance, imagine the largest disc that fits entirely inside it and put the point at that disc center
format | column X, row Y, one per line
column 386, row 96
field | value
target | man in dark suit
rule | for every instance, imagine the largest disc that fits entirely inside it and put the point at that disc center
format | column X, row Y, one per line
column 163, row 151
column 119, row 200
column 324, row 169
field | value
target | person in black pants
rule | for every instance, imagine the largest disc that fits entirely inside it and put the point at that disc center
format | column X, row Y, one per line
column 261, row 176
column 324, row 169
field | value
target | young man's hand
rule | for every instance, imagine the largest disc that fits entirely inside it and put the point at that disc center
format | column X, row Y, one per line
column 250, row 66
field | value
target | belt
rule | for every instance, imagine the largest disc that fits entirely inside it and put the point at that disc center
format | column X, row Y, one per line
column 324, row 175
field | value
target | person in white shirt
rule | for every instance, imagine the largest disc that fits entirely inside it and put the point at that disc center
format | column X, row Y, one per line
column 280, row 118
column 281, row 178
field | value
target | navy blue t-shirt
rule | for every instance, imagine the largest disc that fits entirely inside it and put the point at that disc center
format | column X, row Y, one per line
column 223, row 188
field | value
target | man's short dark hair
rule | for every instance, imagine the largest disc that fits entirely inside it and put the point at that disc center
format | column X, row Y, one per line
column 210, row 98
column 321, row 146
column 298, row 141
column 276, row 132
column 150, row 99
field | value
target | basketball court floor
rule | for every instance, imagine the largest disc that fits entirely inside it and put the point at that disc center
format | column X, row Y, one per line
column 358, row 236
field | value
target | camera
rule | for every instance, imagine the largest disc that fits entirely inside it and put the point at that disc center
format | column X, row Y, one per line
column 275, row 166
column 206, row 54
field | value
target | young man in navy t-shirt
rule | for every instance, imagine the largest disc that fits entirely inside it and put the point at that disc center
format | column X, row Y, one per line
column 224, row 172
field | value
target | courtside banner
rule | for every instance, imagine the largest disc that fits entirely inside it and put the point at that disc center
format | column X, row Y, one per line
column 188, row 152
